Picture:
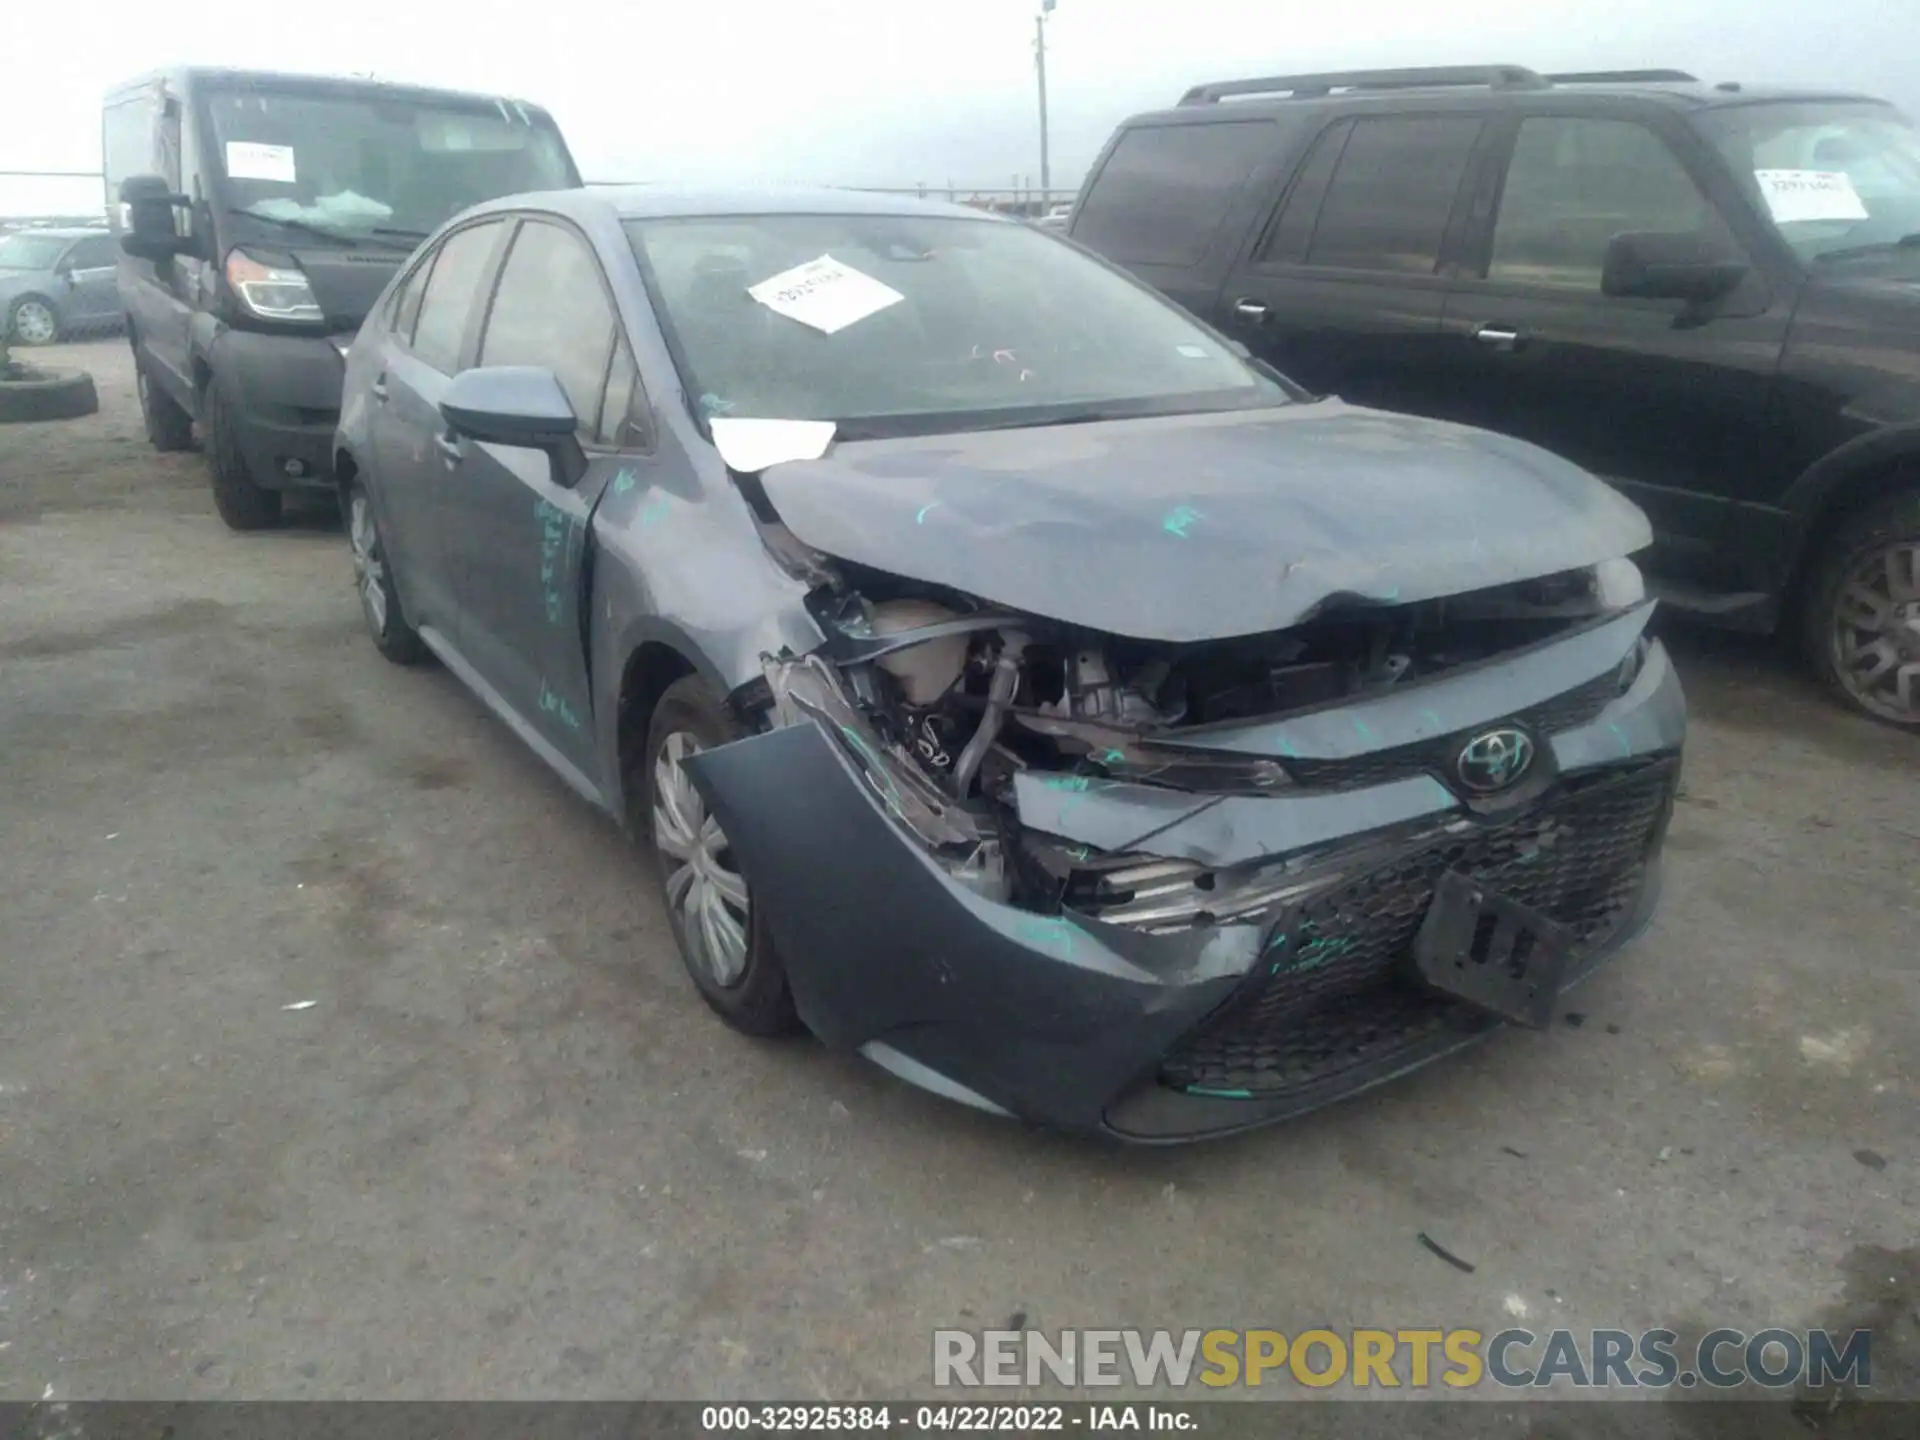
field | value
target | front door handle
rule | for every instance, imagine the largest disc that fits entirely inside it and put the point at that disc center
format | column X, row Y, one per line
column 1498, row 337
column 1249, row 309
column 379, row 389
column 452, row 449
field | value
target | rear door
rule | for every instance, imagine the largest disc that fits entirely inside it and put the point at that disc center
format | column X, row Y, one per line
column 1344, row 286
column 1664, row 400
column 435, row 313
column 519, row 538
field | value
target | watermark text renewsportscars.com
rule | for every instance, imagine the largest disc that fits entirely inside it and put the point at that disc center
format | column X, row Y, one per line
column 1410, row 1359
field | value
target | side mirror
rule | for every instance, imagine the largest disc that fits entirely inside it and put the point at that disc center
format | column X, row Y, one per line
column 1652, row 266
column 151, row 233
column 520, row 405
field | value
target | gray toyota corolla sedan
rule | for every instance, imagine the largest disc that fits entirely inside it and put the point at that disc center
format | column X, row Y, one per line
column 1015, row 682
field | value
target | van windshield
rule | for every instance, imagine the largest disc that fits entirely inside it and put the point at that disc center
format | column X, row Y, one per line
column 372, row 164
column 920, row 324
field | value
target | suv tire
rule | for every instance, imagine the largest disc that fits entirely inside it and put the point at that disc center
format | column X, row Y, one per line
column 241, row 501
column 1850, row 577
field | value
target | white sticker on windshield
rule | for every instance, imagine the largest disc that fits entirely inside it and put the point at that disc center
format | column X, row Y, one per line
column 1192, row 352
column 250, row 160
column 825, row 294
column 750, row 446
column 1809, row 195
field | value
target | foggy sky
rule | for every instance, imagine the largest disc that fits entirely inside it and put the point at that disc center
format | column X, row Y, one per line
column 887, row 92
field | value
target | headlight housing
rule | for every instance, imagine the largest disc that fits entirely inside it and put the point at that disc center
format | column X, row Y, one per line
column 271, row 291
column 1618, row 583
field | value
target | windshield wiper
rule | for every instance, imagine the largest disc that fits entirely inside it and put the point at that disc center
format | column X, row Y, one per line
column 413, row 235
column 1879, row 247
column 286, row 222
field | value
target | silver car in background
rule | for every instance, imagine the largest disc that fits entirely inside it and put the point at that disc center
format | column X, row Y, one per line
column 57, row 283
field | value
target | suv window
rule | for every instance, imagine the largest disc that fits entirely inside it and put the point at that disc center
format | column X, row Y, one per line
column 451, row 291
column 1388, row 203
column 1293, row 231
column 403, row 310
column 550, row 309
column 1165, row 189
column 1574, row 184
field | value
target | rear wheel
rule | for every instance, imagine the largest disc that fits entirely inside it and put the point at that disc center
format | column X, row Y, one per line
column 32, row 320
column 373, row 578
column 1861, row 625
column 722, row 936
column 241, row 501
column 168, row 426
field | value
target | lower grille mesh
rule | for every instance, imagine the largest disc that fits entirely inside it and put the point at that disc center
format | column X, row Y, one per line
column 1337, row 991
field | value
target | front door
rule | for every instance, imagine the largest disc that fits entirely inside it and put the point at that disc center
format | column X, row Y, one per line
column 1344, row 287
column 93, row 297
column 520, row 533
column 1665, row 401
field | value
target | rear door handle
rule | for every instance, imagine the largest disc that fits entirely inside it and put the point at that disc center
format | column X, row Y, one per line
column 452, row 450
column 1249, row 309
column 379, row 389
column 1499, row 337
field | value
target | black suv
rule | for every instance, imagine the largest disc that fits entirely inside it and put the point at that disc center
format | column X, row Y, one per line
column 1708, row 295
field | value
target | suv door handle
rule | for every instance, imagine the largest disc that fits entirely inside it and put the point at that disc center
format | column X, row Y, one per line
column 452, row 449
column 1250, row 309
column 1498, row 336
column 379, row 389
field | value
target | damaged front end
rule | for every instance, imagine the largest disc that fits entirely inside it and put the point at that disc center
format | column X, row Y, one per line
column 1169, row 890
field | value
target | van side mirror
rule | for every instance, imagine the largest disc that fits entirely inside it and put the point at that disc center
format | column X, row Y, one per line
column 151, row 233
column 520, row 405
column 1648, row 265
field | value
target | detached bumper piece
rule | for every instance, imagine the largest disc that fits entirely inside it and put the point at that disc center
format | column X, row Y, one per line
column 1338, row 1001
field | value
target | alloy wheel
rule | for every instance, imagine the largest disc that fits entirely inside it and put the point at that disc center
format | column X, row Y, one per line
column 1876, row 632
column 369, row 570
column 33, row 323
column 707, row 892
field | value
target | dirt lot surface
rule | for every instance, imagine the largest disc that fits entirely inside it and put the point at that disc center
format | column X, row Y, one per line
column 506, row 1152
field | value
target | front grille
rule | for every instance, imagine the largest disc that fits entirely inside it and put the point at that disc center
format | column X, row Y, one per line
column 1564, row 711
column 1336, row 990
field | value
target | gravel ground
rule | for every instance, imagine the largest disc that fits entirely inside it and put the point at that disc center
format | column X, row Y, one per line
column 506, row 1152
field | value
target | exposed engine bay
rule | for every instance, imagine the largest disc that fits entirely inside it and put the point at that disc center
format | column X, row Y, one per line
column 943, row 701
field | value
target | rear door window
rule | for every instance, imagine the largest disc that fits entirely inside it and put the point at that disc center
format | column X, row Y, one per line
column 1388, row 203
column 452, row 290
column 1164, row 190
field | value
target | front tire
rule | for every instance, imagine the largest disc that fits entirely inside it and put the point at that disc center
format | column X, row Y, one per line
column 33, row 320
column 373, row 578
column 1861, row 622
column 241, row 500
column 722, row 935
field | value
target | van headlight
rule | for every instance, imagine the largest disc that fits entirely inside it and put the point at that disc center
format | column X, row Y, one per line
column 1618, row 584
column 271, row 292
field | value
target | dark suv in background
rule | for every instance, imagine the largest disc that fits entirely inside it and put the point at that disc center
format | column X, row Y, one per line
column 1708, row 295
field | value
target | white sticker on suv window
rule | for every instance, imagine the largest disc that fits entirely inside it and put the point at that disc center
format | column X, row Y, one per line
column 1809, row 195
column 825, row 294
column 250, row 160
column 750, row 446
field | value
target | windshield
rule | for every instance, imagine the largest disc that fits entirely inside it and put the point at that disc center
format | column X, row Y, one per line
column 371, row 164
column 31, row 252
column 906, row 324
column 1833, row 178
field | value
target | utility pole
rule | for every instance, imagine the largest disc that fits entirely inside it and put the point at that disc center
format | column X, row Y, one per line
column 1040, row 64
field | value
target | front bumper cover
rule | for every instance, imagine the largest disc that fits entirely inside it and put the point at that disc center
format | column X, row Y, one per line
column 1111, row 1028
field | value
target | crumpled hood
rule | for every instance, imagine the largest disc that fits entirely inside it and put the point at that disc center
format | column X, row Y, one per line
column 1199, row 527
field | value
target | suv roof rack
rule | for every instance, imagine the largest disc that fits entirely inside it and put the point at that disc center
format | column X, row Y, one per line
column 1498, row 77
column 1612, row 77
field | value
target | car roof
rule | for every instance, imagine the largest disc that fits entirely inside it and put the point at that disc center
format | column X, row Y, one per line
column 66, row 232
column 1469, row 87
column 668, row 202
